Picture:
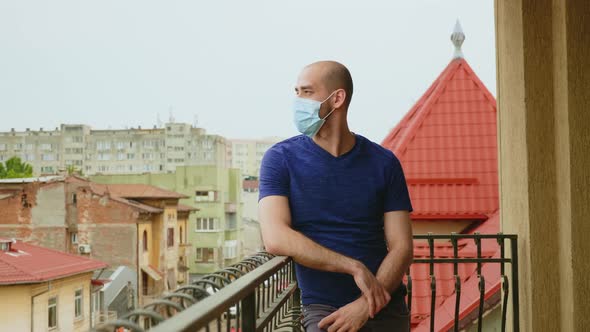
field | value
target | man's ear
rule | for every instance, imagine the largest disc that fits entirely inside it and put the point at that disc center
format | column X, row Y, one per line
column 340, row 98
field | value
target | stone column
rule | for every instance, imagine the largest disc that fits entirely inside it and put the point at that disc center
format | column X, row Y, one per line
column 544, row 154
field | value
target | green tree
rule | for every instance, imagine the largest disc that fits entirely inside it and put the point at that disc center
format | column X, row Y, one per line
column 15, row 168
column 71, row 169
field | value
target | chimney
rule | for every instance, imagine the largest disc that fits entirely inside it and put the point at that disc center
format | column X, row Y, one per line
column 6, row 244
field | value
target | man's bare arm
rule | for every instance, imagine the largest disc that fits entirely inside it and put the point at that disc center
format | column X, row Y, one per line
column 398, row 233
column 280, row 239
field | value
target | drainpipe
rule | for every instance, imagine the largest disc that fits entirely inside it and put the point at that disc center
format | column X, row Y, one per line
column 33, row 305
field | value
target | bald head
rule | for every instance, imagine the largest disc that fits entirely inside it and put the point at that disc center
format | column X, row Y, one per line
column 334, row 75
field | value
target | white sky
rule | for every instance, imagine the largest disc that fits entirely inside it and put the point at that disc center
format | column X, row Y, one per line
column 233, row 64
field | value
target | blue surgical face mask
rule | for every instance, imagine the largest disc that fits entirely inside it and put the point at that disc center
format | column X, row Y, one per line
column 306, row 114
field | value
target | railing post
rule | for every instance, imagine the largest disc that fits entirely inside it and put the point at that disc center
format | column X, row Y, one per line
column 515, row 308
column 249, row 313
column 296, row 299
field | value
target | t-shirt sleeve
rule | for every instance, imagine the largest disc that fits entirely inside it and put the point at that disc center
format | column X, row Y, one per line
column 274, row 175
column 396, row 196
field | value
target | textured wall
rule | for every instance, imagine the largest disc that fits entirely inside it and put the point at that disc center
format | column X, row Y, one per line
column 544, row 97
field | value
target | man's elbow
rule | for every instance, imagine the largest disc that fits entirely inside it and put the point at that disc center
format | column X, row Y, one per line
column 409, row 254
column 274, row 246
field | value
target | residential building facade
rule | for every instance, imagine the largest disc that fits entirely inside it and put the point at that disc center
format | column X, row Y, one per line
column 215, row 230
column 44, row 289
column 139, row 227
column 247, row 154
column 117, row 151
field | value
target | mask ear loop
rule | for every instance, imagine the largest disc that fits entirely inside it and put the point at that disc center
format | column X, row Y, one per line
column 330, row 96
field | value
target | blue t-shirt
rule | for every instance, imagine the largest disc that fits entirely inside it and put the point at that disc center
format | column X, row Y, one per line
column 339, row 203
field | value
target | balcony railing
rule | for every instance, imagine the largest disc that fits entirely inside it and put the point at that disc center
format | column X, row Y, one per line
column 260, row 293
column 231, row 207
column 103, row 316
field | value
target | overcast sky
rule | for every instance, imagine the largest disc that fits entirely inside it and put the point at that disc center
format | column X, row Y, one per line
column 231, row 65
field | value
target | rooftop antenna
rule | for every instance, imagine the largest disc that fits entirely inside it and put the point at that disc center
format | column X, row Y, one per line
column 458, row 37
column 196, row 121
column 171, row 117
column 158, row 121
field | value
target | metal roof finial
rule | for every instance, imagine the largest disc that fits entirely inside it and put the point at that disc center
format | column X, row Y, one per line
column 457, row 38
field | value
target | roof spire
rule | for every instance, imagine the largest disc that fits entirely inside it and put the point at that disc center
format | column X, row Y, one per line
column 457, row 38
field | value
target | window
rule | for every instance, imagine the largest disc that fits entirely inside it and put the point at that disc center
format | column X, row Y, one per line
column 170, row 237
column 3, row 147
column 47, row 169
column 29, row 147
column 45, row 147
column 121, row 145
column 103, row 145
column 104, row 156
column 52, row 313
column 147, row 156
column 47, row 157
column 145, row 241
column 96, row 302
column 147, row 323
column 121, row 156
column 230, row 250
column 205, row 196
column 180, row 240
column 74, row 150
column 74, row 238
column 205, row 255
column 78, row 304
column 207, row 224
column 131, row 156
column 231, row 222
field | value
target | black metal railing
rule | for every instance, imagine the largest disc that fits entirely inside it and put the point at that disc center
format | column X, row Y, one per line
column 260, row 293
column 257, row 294
column 498, row 257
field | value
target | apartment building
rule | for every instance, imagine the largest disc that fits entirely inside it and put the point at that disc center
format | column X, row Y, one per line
column 215, row 230
column 45, row 290
column 247, row 154
column 118, row 151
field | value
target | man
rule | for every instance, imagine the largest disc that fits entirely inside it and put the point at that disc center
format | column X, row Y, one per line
column 338, row 204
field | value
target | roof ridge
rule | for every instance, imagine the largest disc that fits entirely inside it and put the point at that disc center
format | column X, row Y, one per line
column 431, row 100
column 423, row 105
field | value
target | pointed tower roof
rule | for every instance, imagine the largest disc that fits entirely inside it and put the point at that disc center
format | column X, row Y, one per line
column 447, row 145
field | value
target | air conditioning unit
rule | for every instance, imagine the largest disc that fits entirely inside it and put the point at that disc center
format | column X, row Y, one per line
column 84, row 248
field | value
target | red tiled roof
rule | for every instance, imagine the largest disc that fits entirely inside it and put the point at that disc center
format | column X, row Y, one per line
column 134, row 191
column 447, row 146
column 27, row 263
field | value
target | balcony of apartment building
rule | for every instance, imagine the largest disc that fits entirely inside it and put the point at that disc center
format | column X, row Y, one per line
column 231, row 207
column 446, row 288
column 533, row 277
